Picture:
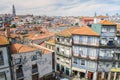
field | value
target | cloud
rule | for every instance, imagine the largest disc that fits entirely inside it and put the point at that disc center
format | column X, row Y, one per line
column 61, row 7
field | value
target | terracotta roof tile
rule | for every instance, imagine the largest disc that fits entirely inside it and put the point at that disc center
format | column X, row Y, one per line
column 3, row 40
column 13, row 35
column 101, row 16
column 106, row 22
column 84, row 30
column 67, row 32
column 52, row 40
column 20, row 48
column 40, row 36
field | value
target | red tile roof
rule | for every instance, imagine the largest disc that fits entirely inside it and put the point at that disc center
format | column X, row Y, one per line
column 3, row 40
column 67, row 32
column 40, row 36
column 106, row 22
column 20, row 48
column 84, row 30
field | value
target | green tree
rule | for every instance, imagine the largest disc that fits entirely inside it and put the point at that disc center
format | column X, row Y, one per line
column 13, row 26
column 76, row 24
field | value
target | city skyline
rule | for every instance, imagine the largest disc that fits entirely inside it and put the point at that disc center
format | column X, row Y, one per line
column 61, row 7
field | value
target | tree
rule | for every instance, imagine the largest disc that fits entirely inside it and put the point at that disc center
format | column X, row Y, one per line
column 76, row 24
column 13, row 26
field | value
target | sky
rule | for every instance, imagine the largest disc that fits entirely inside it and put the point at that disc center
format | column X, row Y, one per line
column 61, row 7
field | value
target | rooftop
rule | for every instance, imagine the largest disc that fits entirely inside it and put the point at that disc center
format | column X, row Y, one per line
column 67, row 32
column 20, row 48
column 102, row 16
column 106, row 22
column 40, row 36
column 3, row 40
column 85, row 30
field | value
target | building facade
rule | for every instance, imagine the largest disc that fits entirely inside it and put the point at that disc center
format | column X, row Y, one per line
column 85, row 53
column 107, row 48
column 5, row 72
column 30, row 63
column 63, row 49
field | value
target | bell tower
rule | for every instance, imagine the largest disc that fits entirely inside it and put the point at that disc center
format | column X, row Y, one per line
column 13, row 11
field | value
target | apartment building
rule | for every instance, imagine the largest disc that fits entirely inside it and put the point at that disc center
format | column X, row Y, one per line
column 63, row 49
column 107, row 48
column 85, row 53
column 30, row 63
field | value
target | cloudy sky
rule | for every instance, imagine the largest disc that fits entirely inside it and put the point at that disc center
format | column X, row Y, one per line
column 61, row 7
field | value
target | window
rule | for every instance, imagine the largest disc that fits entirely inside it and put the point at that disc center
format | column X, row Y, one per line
column 118, row 65
column 82, row 62
column 80, row 39
column 2, row 76
column 1, row 58
column 112, row 29
column 91, row 64
column 19, row 72
column 34, row 57
column 18, row 61
column 104, row 29
column 75, row 60
column 104, row 41
column 89, row 39
column 58, row 39
column 114, row 64
column 80, row 51
column 34, row 68
column 68, row 52
column 58, row 58
column 85, row 39
column 76, row 38
column 58, row 49
column 62, row 40
column 107, row 65
column 62, row 50
column 68, row 40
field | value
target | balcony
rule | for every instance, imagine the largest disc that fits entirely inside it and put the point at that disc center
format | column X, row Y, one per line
column 64, row 43
column 86, row 44
column 105, row 58
column 111, row 43
column 117, row 51
column 19, row 75
column 63, row 54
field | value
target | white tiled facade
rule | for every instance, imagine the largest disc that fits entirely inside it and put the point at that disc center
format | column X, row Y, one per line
column 4, row 64
column 42, row 62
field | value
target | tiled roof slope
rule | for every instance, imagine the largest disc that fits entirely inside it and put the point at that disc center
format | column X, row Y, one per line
column 67, row 32
column 84, row 30
column 106, row 22
column 3, row 40
column 20, row 48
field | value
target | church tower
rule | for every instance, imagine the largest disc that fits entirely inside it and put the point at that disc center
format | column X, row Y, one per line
column 13, row 11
